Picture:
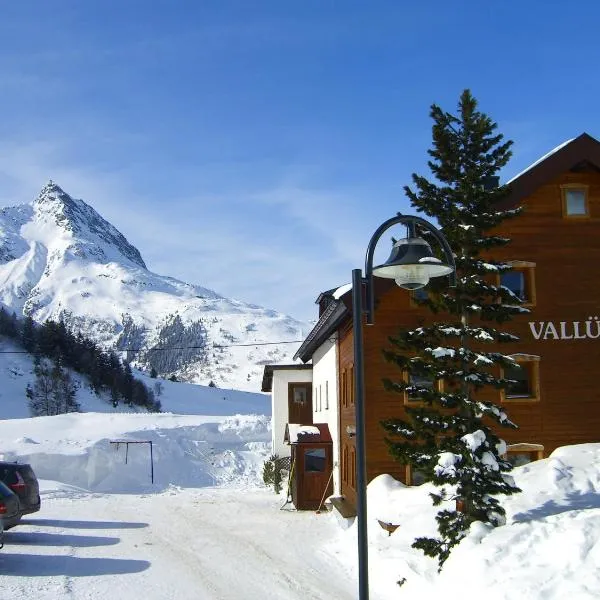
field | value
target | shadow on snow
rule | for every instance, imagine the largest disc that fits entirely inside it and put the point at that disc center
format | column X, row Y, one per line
column 551, row 507
column 43, row 565
column 83, row 524
column 38, row 538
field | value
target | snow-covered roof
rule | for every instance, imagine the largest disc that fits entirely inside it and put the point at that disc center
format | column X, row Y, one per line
column 539, row 160
column 342, row 290
column 564, row 157
column 296, row 433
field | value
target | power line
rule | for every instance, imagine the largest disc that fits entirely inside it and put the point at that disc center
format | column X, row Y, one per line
column 176, row 347
column 207, row 347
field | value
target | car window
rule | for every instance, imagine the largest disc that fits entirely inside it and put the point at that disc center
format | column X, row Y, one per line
column 8, row 475
column 27, row 473
column 4, row 491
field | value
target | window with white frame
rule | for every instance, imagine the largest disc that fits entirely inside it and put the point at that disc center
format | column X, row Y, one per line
column 575, row 200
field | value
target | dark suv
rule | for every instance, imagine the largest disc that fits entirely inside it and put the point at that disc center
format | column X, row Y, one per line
column 9, row 509
column 21, row 479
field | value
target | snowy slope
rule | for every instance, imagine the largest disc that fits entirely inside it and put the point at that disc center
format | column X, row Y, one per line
column 16, row 372
column 59, row 259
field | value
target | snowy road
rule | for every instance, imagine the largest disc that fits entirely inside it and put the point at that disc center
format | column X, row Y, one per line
column 201, row 544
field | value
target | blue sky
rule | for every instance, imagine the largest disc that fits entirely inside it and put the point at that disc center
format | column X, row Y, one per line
column 254, row 147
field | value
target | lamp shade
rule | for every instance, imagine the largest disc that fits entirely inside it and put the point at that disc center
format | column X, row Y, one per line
column 412, row 264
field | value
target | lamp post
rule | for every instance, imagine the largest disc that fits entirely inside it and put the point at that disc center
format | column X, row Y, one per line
column 411, row 264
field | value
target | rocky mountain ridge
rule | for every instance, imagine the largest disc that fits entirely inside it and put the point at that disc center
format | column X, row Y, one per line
column 59, row 259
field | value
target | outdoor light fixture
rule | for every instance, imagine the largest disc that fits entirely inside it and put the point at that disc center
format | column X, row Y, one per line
column 411, row 264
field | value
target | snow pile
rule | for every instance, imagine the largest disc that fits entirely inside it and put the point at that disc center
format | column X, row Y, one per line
column 549, row 549
column 187, row 451
column 217, row 436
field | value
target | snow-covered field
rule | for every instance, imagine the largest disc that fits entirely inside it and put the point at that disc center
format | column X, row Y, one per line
column 208, row 529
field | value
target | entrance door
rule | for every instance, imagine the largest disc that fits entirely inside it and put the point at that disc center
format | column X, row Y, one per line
column 348, row 470
column 300, row 403
column 315, row 474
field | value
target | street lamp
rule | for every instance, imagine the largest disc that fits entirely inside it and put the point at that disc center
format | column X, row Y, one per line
column 411, row 264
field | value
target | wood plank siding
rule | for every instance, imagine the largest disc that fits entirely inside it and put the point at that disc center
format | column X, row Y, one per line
column 562, row 255
column 566, row 252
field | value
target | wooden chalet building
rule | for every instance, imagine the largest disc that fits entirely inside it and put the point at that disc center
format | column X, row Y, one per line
column 555, row 252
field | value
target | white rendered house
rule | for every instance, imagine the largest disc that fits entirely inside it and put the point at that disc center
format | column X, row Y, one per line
column 325, row 396
column 291, row 400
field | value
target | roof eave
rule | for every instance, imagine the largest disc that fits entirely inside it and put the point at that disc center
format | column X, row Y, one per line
column 583, row 147
column 330, row 320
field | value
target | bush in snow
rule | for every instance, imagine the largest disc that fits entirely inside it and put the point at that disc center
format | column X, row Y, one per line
column 272, row 472
column 445, row 364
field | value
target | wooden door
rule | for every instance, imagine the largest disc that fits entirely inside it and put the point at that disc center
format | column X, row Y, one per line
column 300, row 403
column 314, row 473
column 348, row 469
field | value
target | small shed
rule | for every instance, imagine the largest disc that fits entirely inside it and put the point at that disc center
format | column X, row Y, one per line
column 312, row 464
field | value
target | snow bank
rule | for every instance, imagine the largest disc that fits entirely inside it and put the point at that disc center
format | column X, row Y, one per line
column 187, row 451
column 549, row 549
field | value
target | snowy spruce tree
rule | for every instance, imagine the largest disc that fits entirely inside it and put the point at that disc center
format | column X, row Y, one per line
column 53, row 391
column 452, row 364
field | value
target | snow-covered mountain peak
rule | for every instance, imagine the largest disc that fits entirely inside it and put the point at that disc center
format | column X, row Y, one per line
column 60, row 260
column 91, row 234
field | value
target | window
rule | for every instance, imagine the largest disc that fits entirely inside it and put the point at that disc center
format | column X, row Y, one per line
column 518, row 459
column 314, row 460
column 347, row 386
column 414, row 476
column 520, row 280
column 522, row 454
column 421, row 381
column 320, row 398
column 575, row 200
column 515, row 282
column 327, row 395
column 345, row 464
column 316, row 406
column 525, row 379
column 299, row 395
column 521, row 385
